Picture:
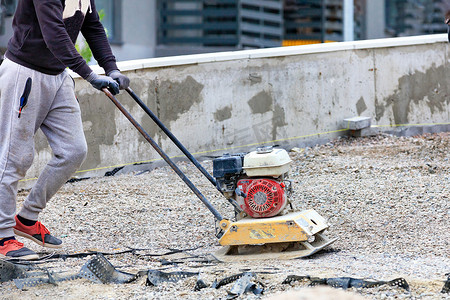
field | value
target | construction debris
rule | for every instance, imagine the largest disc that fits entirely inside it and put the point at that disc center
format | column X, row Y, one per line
column 10, row 271
column 227, row 280
column 97, row 270
column 446, row 288
column 200, row 284
column 156, row 277
column 347, row 282
column 100, row 270
column 49, row 278
column 244, row 285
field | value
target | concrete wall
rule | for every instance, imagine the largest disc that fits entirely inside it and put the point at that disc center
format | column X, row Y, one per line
column 292, row 96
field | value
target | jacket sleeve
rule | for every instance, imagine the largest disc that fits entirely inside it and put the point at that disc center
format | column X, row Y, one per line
column 50, row 17
column 95, row 35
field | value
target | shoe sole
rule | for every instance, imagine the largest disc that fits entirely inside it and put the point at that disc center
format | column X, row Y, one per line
column 23, row 234
column 25, row 257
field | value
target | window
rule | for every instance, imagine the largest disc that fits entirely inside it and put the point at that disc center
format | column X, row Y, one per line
column 7, row 8
column 110, row 14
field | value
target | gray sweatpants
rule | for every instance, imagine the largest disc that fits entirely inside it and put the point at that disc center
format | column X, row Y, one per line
column 52, row 106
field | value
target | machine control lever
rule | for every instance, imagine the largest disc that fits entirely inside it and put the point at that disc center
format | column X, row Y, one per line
column 240, row 193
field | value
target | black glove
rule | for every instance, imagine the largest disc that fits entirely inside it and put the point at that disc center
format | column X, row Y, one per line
column 124, row 81
column 100, row 82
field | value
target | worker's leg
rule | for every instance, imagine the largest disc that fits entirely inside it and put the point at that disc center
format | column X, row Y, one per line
column 17, row 134
column 64, row 130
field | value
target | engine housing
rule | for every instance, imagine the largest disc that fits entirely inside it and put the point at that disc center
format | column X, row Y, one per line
column 264, row 197
column 256, row 180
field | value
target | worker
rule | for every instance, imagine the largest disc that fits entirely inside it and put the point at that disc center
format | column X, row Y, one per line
column 36, row 91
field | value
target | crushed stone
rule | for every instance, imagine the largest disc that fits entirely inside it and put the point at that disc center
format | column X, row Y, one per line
column 386, row 198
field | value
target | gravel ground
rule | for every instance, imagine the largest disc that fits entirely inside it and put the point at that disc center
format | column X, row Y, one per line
column 386, row 198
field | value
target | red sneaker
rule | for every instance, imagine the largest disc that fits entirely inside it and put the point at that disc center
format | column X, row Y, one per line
column 15, row 249
column 38, row 233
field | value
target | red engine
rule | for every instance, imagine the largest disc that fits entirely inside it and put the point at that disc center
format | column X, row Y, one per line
column 255, row 183
column 264, row 197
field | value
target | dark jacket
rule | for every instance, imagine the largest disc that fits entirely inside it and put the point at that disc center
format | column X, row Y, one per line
column 45, row 32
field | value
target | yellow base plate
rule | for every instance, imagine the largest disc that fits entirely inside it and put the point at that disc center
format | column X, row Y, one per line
column 292, row 227
column 294, row 235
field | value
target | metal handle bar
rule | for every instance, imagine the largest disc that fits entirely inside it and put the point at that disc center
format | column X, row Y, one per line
column 158, row 149
column 172, row 137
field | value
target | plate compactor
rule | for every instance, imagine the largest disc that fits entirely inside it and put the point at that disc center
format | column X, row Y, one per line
column 256, row 184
